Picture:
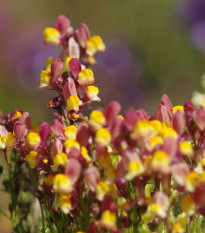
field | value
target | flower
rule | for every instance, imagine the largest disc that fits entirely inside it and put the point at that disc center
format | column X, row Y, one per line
column 62, row 184
column 103, row 137
column 73, row 103
column 94, row 44
column 31, row 158
column 33, row 139
column 51, row 36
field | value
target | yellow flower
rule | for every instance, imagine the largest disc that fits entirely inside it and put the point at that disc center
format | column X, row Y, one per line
column 182, row 219
column 62, row 184
column 157, row 210
column 92, row 60
column 192, row 181
column 86, row 77
column 64, row 203
column 156, row 125
column 51, row 36
column 73, row 103
column 101, row 190
column 70, row 132
column 177, row 108
column 103, row 137
column 16, row 115
column 109, row 219
column 66, row 66
column 187, row 205
column 60, row 159
column 168, row 132
column 69, row 143
column 10, row 141
column 121, row 117
column 155, row 141
column 94, row 44
column 143, row 128
column 177, row 228
column 135, row 168
column 110, row 174
column 97, row 119
column 186, row 148
column 48, row 63
column 160, row 161
column 85, row 154
column 33, row 139
column 31, row 159
column 45, row 77
column 3, row 140
column 93, row 93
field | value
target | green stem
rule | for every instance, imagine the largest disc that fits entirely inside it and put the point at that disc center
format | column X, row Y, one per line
column 49, row 221
column 61, row 112
column 43, row 221
column 6, row 159
column 5, row 214
column 198, row 223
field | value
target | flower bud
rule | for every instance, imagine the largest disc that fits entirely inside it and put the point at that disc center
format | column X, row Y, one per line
column 178, row 121
column 69, row 88
column 73, row 48
column 44, row 131
column 62, row 24
column 111, row 111
column 83, row 34
column 92, row 177
column 56, row 148
column 56, row 69
column 20, row 129
column 75, row 67
column 179, row 172
column 73, row 170
column 83, row 134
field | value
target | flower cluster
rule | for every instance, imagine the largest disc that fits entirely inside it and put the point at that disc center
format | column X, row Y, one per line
column 105, row 172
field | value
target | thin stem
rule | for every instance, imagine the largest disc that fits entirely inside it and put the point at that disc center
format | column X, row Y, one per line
column 61, row 112
column 49, row 221
column 6, row 159
column 43, row 222
column 66, row 122
column 5, row 214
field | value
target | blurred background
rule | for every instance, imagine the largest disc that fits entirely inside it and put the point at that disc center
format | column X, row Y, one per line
column 153, row 47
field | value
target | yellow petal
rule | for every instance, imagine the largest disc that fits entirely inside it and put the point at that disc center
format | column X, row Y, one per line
column 51, row 36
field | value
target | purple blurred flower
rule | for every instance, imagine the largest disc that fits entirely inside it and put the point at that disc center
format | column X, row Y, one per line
column 27, row 54
column 193, row 12
column 3, row 19
column 121, row 69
